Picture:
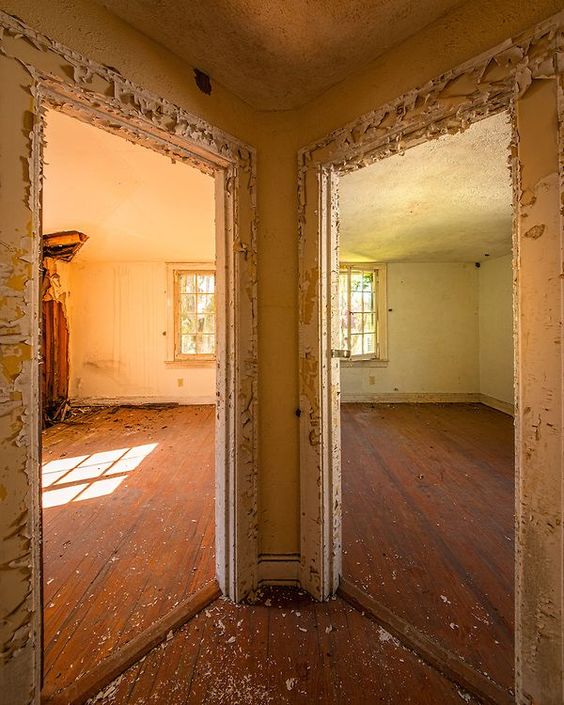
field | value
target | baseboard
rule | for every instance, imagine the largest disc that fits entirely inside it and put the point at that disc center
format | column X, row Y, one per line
column 412, row 398
column 454, row 667
column 428, row 398
column 503, row 406
column 91, row 683
column 278, row 568
column 139, row 401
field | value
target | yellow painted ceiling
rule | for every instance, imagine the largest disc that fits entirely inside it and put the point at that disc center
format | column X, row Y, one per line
column 279, row 54
column 448, row 200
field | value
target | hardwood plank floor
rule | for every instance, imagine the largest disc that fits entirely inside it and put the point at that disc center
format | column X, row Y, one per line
column 128, row 524
column 428, row 522
column 286, row 650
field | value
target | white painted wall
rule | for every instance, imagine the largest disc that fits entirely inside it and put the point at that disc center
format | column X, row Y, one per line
column 140, row 210
column 449, row 333
column 118, row 317
column 496, row 328
column 432, row 333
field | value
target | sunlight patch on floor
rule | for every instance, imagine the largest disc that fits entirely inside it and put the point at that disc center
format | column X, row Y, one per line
column 89, row 476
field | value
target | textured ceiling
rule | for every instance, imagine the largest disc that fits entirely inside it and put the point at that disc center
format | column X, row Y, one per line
column 448, row 200
column 278, row 54
column 134, row 204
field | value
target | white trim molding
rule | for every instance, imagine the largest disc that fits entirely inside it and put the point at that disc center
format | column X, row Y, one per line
column 427, row 398
column 411, row 398
column 140, row 401
column 279, row 568
column 497, row 404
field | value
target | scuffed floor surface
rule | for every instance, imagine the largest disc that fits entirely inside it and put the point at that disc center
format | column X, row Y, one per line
column 288, row 649
column 428, row 522
column 128, row 527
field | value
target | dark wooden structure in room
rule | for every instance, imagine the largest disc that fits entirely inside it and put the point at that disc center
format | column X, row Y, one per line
column 61, row 246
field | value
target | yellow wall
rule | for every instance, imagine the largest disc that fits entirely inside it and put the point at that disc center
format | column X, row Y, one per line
column 461, row 34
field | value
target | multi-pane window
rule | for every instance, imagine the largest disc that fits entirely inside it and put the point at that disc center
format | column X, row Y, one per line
column 361, row 297
column 194, row 314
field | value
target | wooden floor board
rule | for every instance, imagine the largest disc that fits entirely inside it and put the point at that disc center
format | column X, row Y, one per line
column 116, row 563
column 229, row 655
column 428, row 522
column 428, row 530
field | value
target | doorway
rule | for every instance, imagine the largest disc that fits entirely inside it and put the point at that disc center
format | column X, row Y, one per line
column 129, row 325
column 449, row 104
column 427, row 390
column 42, row 75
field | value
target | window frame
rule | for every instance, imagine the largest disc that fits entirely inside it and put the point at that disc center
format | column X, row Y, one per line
column 174, row 357
column 381, row 310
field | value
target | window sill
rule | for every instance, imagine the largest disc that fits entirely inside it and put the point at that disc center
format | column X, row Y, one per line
column 190, row 363
column 364, row 362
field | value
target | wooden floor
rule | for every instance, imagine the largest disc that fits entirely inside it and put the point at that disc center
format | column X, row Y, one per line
column 128, row 525
column 428, row 531
column 428, row 522
column 292, row 651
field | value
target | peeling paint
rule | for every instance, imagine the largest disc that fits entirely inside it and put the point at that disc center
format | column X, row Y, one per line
column 535, row 232
column 503, row 79
column 42, row 73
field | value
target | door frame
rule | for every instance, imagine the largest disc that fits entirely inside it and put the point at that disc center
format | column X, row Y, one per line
column 235, row 560
column 521, row 76
column 54, row 77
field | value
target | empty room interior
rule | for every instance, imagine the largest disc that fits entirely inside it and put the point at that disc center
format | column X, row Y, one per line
column 281, row 368
column 426, row 317
column 129, row 380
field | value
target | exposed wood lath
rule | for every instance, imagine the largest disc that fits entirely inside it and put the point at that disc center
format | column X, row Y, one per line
column 55, row 371
column 63, row 245
column 54, row 343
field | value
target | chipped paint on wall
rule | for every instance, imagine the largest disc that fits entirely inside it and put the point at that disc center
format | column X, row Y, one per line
column 505, row 78
column 37, row 72
column 540, row 544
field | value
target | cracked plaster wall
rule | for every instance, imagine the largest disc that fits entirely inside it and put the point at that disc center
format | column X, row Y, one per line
column 463, row 33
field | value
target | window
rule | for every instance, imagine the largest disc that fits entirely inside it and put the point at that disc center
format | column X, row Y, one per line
column 192, row 309
column 362, row 310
